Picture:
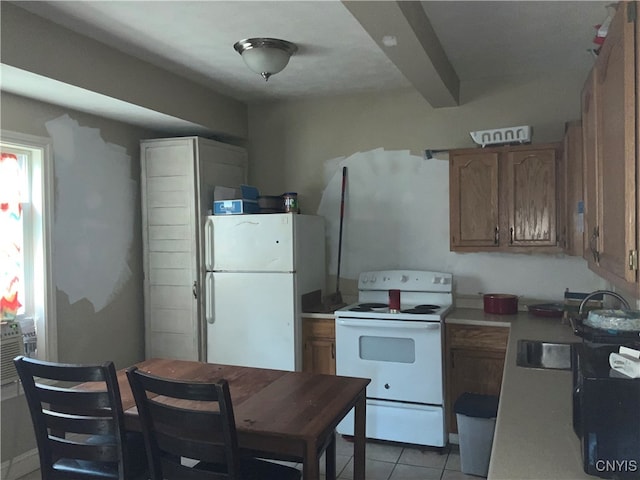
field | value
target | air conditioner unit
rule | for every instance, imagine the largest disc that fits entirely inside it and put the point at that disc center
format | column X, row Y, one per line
column 12, row 346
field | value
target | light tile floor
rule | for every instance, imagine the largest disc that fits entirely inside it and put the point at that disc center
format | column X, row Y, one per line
column 389, row 461
column 392, row 461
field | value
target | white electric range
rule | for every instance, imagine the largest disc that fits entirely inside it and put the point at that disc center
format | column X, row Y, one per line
column 400, row 350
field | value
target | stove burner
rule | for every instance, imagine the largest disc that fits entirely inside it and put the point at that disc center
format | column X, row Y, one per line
column 368, row 307
column 422, row 309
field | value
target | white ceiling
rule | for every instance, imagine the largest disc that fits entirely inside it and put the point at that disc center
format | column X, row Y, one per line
column 336, row 53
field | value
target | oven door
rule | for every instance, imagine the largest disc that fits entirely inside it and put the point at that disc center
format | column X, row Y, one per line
column 403, row 359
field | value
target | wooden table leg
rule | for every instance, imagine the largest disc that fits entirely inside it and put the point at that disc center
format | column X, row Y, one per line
column 311, row 462
column 330, row 458
column 359, row 437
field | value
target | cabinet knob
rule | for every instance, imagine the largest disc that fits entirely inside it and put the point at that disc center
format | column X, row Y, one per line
column 386, row 386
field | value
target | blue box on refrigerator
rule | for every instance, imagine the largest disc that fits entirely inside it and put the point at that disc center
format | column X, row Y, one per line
column 235, row 207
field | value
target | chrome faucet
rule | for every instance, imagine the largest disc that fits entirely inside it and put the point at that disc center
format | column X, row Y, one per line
column 624, row 303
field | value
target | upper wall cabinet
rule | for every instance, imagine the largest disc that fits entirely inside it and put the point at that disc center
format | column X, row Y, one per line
column 610, row 141
column 504, row 199
column 474, row 215
column 570, row 188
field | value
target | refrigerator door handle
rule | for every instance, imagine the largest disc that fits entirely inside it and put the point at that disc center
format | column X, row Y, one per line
column 208, row 304
column 208, row 247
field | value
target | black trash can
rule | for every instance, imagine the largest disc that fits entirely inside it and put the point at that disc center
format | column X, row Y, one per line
column 476, row 417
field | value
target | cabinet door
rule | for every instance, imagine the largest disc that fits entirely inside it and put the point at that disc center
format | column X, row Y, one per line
column 474, row 371
column 590, row 169
column 170, row 248
column 571, row 190
column 319, row 346
column 615, row 84
column 320, row 356
column 531, row 197
column 474, row 215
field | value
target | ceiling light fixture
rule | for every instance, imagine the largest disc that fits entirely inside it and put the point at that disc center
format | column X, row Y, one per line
column 265, row 56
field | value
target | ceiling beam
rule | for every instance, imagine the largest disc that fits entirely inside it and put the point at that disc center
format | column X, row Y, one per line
column 418, row 53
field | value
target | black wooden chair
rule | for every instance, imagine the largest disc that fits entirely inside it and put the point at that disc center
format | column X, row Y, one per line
column 203, row 433
column 80, row 433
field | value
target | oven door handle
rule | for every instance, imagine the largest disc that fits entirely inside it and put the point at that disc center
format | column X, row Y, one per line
column 360, row 323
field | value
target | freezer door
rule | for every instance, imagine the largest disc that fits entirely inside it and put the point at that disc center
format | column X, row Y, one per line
column 250, row 243
column 251, row 320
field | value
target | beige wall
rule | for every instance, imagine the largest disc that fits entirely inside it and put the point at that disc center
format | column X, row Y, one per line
column 117, row 331
column 289, row 144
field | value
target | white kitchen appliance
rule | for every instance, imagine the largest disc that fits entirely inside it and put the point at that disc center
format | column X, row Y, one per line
column 401, row 351
column 258, row 267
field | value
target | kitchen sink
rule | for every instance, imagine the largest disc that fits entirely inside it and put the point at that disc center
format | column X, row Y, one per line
column 546, row 355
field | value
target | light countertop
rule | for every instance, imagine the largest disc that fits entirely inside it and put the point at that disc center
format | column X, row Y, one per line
column 328, row 316
column 534, row 437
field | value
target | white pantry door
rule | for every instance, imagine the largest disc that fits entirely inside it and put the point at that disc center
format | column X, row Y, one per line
column 178, row 179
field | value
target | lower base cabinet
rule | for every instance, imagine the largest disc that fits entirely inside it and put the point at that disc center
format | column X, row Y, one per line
column 474, row 363
column 319, row 345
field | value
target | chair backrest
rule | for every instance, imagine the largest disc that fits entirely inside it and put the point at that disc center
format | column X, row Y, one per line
column 76, row 430
column 186, row 419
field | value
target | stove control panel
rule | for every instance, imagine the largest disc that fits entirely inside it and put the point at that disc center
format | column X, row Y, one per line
column 406, row 280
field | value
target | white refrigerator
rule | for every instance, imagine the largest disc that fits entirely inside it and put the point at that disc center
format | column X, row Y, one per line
column 257, row 269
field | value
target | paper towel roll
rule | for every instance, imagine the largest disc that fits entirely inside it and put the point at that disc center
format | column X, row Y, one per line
column 625, row 364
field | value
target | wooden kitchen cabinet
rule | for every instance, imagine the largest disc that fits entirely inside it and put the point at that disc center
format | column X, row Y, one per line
column 474, row 220
column 474, row 362
column 610, row 130
column 504, row 199
column 178, row 176
column 571, row 198
column 590, row 171
column 319, row 345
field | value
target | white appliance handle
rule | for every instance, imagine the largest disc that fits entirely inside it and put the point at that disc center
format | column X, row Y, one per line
column 408, row 325
column 208, row 247
column 208, row 303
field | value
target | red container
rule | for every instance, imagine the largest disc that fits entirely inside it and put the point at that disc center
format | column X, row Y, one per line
column 394, row 300
column 500, row 303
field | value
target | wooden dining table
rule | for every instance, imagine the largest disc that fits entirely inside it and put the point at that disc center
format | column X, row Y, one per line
column 279, row 414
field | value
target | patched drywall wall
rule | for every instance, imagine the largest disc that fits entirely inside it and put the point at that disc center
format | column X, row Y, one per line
column 397, row 217
column 389, row 220
column 95, row 198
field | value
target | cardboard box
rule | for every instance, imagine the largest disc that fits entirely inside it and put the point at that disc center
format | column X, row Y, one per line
column 235, row 207
column 225, row 193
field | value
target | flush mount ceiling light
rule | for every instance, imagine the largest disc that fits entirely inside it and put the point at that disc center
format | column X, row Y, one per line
column 265, row 56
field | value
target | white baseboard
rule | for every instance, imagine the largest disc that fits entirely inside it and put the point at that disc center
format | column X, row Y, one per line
column 21, row 465
column 453, row 438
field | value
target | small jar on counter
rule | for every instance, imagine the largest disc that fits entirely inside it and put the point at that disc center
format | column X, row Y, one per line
column 290, row 200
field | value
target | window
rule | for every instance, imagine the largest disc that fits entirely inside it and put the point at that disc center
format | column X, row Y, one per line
column 26, row 216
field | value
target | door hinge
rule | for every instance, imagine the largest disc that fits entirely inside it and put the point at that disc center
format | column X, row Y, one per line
column 633, row 260
column 631, row 12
